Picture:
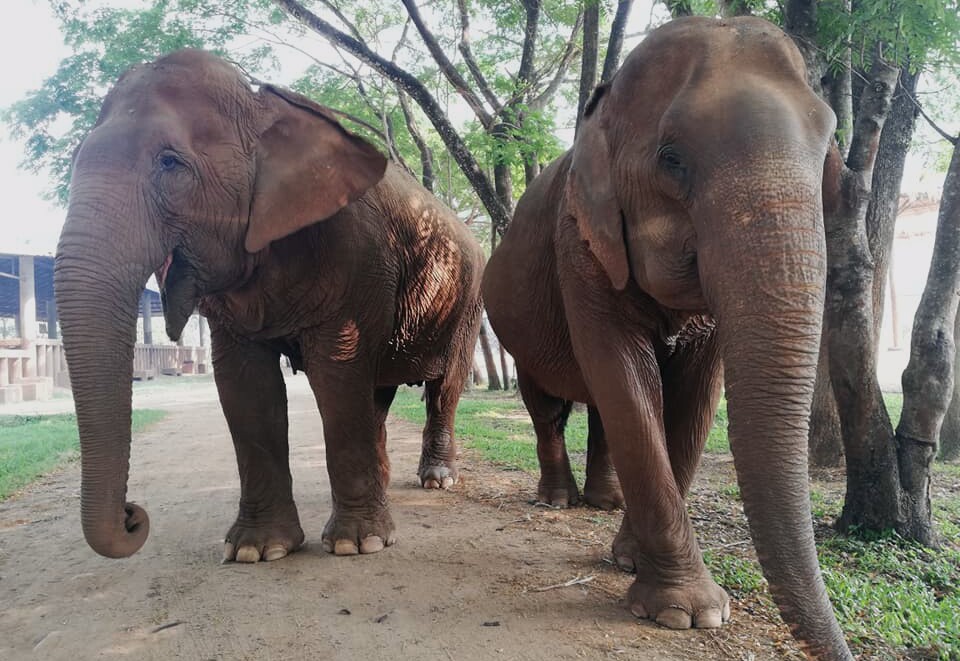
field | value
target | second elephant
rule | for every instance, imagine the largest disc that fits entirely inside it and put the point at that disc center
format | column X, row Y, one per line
column 685, row 227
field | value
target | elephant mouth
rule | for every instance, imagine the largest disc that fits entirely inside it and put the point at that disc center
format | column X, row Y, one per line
column 161, row 273
column 179, row 292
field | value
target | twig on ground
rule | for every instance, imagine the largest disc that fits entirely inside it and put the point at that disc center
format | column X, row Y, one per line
column 579, row 580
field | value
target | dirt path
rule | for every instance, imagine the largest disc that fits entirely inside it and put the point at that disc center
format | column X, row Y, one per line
column 460, row 584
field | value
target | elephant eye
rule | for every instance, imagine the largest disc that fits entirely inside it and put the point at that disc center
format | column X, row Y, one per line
column 670, row 161
column 169, row 161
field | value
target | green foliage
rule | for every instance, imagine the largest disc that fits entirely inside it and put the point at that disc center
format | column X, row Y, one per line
column 33, row 445
column 105, row 42
column 913, row 31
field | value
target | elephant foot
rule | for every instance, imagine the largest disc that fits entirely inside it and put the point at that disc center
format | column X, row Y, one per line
column 603, row 492
column 349, row 532
column 558, row 491
column 263, row 538
column 438, row 476
column 625, row 548
column 680, row 604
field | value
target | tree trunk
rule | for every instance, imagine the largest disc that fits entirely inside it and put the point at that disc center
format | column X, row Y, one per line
column 588, row 63
column 493, row 378
column 895, row 142
column 611, row 62
column 475, row 378
column 950, row 431
column 872, row 498
column 929, row 378
column 505, row 368
column 826, row 440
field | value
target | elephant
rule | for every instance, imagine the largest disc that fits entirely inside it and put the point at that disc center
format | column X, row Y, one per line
column 678, row 247
column 295, row 238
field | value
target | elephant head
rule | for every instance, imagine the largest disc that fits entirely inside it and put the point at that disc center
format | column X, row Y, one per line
column 698, row 173
column 188, row 174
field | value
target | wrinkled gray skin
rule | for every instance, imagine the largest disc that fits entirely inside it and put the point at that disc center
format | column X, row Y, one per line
column 218, row 189
column 684, row 228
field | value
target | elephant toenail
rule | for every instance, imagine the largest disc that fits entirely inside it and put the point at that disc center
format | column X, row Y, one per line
column 710, row 618
column 371, row 544
column 248, row 554
column 345, row 547
column 674, row 618
column 274, row 552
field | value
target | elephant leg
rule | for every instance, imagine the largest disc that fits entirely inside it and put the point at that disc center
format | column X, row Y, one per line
column 672, row 586
column 438, row 456
column 620, row 368
column 692, row 381
column 353, row 413
column 254, row 401
column 601, row 488
column 549, row 415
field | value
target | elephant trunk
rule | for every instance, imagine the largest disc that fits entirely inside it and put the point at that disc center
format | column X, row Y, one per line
column 99, row 277
column 766, row 273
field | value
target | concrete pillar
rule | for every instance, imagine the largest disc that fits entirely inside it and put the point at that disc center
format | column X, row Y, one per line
column 52, row 331
column 202, row 326
column 147, row 314
column 28, row 312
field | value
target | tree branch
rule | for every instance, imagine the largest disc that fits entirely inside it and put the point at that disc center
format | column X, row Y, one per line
column 588, row 66
column 615, row 44
column 560, row 68
column 446, row 66
column 343, row 19
column 532, row 8
column 471, row 62
column 426, row 154
column 952, row 139
column 499, row 216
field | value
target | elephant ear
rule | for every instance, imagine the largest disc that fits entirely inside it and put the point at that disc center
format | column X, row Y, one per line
column 308, row 167
column 591, row 196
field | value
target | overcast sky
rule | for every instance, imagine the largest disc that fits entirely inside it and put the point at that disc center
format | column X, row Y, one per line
column 30, row 49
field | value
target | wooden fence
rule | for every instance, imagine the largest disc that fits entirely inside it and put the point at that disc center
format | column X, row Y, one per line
column 30, row 372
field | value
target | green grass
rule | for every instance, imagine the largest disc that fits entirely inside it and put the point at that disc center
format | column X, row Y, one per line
column 894, row 599
column 890, row 593
column 496, row 424
column 33, row 445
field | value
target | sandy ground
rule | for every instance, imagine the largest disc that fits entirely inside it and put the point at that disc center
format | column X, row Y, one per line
column 464, row 581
